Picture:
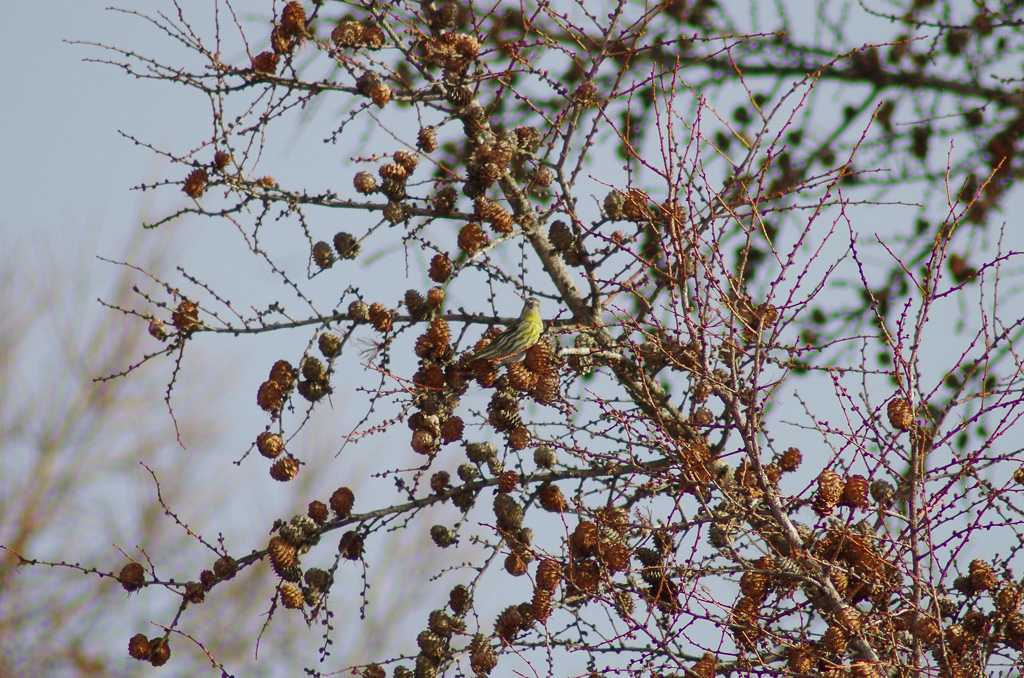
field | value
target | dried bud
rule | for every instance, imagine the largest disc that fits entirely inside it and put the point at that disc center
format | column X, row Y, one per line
column 509, row 623
column 882, row 492
column 614, row 204
column 313, row 390
column 281, row 41
column 480, row 453
column 415, row 304
column 270, row 396
column 1007, row 600
column 318, row 579
column 207, row 578
column 540, row 605
column 705, row 667
column 372, row 37
column 194, row 592
column 406, row 160
column 283, row 374
column 393, row 171
column 283, row 555
column 561, row 236
column 542, row 178
column 348, row 33
column 467, row 473
column 380, row 94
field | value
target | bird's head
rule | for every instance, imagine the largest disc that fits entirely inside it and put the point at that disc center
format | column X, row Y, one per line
column 531, row 306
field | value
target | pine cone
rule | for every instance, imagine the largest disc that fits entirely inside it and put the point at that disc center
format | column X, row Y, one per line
column 265, row 63
column 285, row 469
column 540, row 605
column 790, row 460
column 426, row 140
column 291, row 596
column 901, row 413
column 195, row 183
column 293, row 18
column 440, row 268
column 982, row 577
column 855, row 492
column 472, row 238
column 584, row 539
column 269, row 444
column 551, row 499
column 549, row 574
column 830, row 492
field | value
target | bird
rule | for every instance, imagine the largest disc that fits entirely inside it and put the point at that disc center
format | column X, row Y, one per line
column 517, row 338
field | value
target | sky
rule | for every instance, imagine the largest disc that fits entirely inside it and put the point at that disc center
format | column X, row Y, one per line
column 68, row 173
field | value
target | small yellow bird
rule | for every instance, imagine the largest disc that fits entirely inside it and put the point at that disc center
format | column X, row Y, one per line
column 515, row 340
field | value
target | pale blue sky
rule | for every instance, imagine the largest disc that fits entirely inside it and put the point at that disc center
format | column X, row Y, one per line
column 65, row 183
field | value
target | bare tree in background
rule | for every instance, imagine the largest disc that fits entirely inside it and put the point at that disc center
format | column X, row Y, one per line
column 67, row 458
column 770, row 427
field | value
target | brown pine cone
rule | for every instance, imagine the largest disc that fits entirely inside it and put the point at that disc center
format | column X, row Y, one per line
column 901, row 413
